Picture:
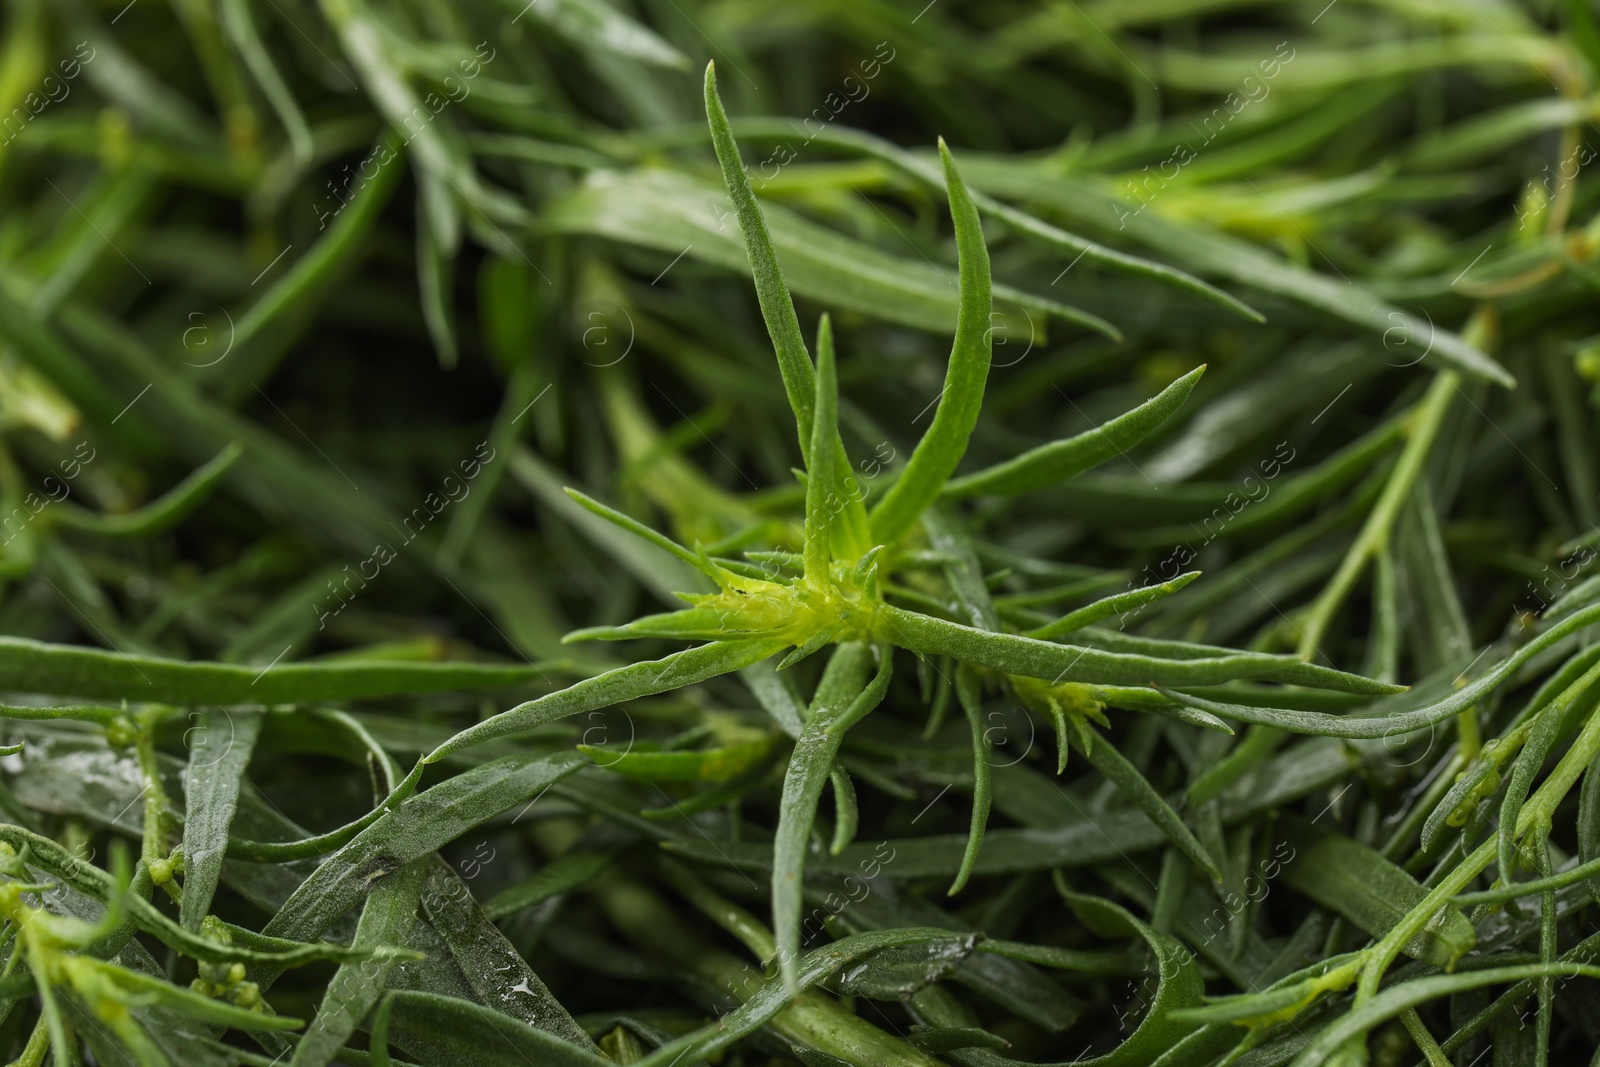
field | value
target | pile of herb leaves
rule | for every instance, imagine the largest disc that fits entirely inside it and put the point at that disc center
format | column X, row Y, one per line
column 696, row 531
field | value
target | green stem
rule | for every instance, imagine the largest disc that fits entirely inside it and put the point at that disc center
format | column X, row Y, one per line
column 1430, row 414
column 152, row 845
column 1537, row 811
column 1425, row 1042
column 38, row 1046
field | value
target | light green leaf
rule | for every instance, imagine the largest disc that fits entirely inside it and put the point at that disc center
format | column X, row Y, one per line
column 774, row 996
column 900, row 971
column 945, row 442
column 386, row 919
column 1065, row 459
column 842, row 683
column 446, row 1032
column 494, row 969
column 1418, row 991
column 1371, row 893
column 413, row 829
column 218, row 759
column 777, row 308
column 1032, row 658
column 821, row 498
column 635, row 680
column 1394, row 724
column 1070, row 244
column 36, row 667
column 673, row 212
column 1210, row 252
column 720, row 764
column 1116, row 604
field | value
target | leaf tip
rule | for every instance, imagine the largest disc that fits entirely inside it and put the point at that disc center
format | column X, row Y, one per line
column 713, row 100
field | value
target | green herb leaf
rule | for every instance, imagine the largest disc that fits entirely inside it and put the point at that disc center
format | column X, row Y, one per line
column 945, row 441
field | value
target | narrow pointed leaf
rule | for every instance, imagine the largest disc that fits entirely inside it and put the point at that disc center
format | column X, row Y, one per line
column 639, row 529
column 1138, row 789
column 494, row 969
column 1015, row 654
column 1060, row 460
column 1370, row 892
column 413, row 829
column 36, row 667
column 777, row 309
column 1070, row 244
column 386, row 919
column 224, row 742
column 720, row 764
column 1528, row 764
column 440, row 1031
column 945, row 441
column 821, row 499
column 624, row 683
column 982, row 796
column 1178, row 983
column 163, row 512
column 809, row 765
column 1116, row 604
